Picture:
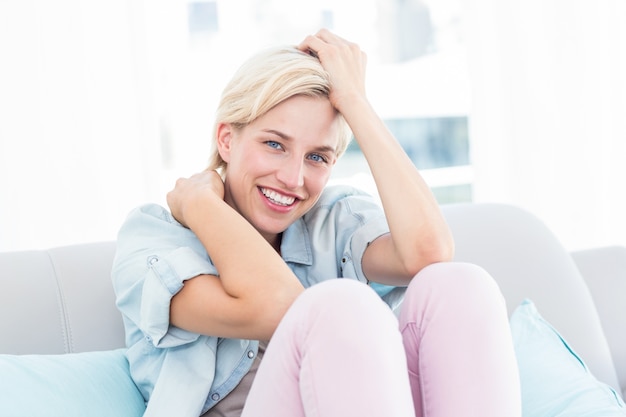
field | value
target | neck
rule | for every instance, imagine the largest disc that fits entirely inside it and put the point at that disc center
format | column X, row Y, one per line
column 274, row 241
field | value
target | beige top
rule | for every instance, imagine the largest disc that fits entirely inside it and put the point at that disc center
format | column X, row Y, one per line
column 232, row 404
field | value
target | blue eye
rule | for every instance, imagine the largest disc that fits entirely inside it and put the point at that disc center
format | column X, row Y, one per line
column 317, row 157
column 273, row 144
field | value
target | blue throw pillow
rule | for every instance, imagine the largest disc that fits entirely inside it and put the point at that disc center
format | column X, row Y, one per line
column 73, row 385
column 554, row 379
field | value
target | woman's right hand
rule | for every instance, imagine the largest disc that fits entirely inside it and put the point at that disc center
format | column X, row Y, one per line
column 248, row 299
column 187, row 190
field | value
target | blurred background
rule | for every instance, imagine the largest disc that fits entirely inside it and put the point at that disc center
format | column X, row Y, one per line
column 103, row 104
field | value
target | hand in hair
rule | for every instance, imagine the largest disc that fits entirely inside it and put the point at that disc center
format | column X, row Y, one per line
column 345, row 63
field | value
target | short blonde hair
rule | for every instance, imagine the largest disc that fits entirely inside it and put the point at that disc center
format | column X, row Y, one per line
column 263, row 82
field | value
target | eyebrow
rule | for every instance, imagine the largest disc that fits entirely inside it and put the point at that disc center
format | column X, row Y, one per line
column 286, row 137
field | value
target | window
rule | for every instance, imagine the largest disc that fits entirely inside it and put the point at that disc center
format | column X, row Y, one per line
column 438, row 146
column 433, row 142
column 202, row 17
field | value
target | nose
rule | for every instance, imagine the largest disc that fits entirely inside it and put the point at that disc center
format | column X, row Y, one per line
column 291, row 173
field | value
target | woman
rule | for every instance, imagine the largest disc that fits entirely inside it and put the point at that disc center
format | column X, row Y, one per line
column 203, row 287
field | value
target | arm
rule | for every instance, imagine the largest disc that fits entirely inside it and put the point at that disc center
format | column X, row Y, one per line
column 252, row 294
column 419, row 234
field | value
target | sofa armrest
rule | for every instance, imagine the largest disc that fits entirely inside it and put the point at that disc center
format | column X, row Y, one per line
column 604, row 270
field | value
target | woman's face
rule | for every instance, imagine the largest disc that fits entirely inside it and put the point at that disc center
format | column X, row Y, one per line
column 279, row 164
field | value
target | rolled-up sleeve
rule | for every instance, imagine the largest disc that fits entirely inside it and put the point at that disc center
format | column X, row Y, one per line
column 155, row 256
column 359, row 220
column 348, row 220
column 356, row 245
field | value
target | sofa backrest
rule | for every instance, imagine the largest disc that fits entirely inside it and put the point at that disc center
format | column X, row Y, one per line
column 59, row 300
column 528, row 261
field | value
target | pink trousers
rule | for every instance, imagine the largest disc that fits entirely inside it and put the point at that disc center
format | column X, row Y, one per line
column 340, row 351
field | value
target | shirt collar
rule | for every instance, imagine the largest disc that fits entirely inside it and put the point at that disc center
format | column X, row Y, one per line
column 296, row 244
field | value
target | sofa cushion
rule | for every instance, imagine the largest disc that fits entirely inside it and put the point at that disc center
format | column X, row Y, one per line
column 554, row 379
column 67, row 385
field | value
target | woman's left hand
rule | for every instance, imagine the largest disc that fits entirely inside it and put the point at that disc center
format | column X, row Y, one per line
column 419, row 234
column 344, row 61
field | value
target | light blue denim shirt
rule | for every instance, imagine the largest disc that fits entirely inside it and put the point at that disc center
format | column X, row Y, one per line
column 183, row 373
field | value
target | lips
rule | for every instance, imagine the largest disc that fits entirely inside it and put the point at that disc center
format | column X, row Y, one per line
column 277, row 198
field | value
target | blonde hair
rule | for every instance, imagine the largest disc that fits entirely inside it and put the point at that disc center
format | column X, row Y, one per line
column 263, row 82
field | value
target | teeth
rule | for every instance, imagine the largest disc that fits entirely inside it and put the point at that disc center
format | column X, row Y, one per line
column 276, row 198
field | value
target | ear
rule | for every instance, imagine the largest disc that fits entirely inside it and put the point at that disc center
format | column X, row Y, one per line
column 224, row 136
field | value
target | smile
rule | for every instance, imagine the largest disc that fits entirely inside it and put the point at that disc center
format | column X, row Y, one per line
column 276, row 198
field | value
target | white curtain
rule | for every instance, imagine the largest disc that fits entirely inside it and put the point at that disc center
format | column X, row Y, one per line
column 548, row 112
column 78, row 129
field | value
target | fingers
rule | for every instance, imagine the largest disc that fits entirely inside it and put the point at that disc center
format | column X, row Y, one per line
column 311, row 44
column 187, row 189
column 205, row 180
column 332, row 38
column 345, row 63
column 327, row 46
column 314, row 44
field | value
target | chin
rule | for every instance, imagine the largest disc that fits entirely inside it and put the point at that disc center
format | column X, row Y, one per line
column 271, row 227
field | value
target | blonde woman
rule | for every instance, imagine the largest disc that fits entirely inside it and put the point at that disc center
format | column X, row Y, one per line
column 231, row 300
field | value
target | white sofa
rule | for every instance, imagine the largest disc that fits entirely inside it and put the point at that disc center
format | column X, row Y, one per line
column 61, row 300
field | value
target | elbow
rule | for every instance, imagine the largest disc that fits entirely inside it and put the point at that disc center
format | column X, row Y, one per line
column 442, row 250
column 269, row 312
column 446, row 250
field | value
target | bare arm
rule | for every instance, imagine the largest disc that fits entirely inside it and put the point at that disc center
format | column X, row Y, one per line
column 419, row 234
column 255, row 287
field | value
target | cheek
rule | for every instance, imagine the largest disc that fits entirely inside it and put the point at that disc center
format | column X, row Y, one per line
column 317, row 180
column 249, row 161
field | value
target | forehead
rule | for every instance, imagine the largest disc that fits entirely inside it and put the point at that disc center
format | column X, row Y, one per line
column 302, row 119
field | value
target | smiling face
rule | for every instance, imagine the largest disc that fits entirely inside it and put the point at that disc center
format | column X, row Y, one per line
column 278, row 165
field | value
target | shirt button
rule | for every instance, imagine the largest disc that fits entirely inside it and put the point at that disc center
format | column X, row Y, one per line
column 215, row 397
column 153, row 260
column 250, row 354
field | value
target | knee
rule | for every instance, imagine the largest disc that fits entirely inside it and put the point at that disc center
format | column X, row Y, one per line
column 454, row 282
column 346, row 303
column 336, row 295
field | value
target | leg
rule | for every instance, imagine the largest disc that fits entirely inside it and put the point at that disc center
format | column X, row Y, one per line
column 336, row 353
column 458, row 344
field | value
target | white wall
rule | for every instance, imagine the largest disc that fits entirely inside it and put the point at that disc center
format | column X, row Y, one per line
column 78, row 138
